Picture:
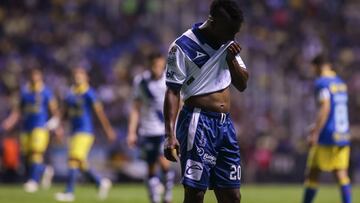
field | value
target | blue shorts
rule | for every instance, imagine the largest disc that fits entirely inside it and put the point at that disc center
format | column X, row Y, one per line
column 152, row 148
column 210, row 154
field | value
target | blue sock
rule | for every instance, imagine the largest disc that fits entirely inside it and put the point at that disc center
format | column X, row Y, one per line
column 309, row 195
column 93, row 177
column 70, row 185
column 346, row 193
column 36, row 171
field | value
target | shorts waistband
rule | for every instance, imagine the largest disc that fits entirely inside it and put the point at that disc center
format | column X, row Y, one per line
column 206, row 112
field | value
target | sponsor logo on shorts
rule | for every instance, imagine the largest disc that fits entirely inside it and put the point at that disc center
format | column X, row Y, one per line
column 210, row 159
column 193, row 170
column 200, row 151
column 202, row 140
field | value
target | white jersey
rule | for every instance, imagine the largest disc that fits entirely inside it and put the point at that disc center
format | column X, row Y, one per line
column 151, row 93
column 195, row 68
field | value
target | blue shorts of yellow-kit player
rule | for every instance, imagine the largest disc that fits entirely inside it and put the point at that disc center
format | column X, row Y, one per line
column 329, row 158
column 80, row 145
column 35, row 143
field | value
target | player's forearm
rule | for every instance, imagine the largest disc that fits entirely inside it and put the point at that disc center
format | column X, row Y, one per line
column 133, row 120
column 171, row 108
column 105, row 123
column 239, row 75
column 322, row 116
column 11, row 121
column 54, row 121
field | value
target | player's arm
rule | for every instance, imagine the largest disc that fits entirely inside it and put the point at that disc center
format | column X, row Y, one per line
column 175, row 77
column 133, row 122
column 171, row 108
column 13, row 117
column 238, row 72
column 105, row 123
column 322, row 115
column 54, row 121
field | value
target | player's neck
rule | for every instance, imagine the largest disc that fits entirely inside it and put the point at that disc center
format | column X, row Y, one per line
column 328, row 72
column 36, row 86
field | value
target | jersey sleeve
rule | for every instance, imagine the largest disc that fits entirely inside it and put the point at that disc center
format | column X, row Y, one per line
column 323, row 95
column 92, row 97
column 175, row 68
column 322, row 91
column 49, row 96
column 136, row 91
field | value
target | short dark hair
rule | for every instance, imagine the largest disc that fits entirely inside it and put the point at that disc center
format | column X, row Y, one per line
column 230, row 9
column 320, row 60
column 31, row 71
column 154, row 55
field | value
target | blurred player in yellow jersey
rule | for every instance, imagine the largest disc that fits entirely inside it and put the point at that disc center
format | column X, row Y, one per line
column 330, row 135
column 36, row 102
column 81, row 103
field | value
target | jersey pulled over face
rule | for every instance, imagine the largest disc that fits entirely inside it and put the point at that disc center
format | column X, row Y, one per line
column 34, row 105
column 196, row 68
column 80, row 109
column 150, row 93
column 336, row 130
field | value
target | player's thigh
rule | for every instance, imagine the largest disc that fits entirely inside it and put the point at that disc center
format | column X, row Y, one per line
column 226, row 173
column 193, row 195
column 25, row 143
column 312, row 173
column 152, row 149
column 39, row 140
column 321, row 157
column 164, row 163
column 228, row 195
column 80, row 145
column 341, row 158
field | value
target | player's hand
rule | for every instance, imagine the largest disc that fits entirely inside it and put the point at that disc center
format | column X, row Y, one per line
column 5, row 126
column 131, row 140
column 59, row 135
column 111, row 135
column 233, row 50
column 313, row 137
column 171, row 148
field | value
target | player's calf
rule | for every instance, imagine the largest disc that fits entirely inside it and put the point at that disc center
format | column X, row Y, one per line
column 193, row 195
column 228, row 195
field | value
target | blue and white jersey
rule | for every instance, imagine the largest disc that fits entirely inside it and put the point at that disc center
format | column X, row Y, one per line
column 151, row 94
column 196, row 68
column 336, row 130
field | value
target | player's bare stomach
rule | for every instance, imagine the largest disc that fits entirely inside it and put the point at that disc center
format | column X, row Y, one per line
column 216, row 101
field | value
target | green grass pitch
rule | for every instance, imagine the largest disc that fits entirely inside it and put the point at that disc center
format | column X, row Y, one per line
column 133, row 193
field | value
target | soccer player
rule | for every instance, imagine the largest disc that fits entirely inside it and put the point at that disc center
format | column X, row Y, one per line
column 201, row 65
column 36, row 102
column 148, row 101
column 81, row 102
column 329, row 137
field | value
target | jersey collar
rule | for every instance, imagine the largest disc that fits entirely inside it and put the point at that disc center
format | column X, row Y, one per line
column 80, row 89
column 38, row 87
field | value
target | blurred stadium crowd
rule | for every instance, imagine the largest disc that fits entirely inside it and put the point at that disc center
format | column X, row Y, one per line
column 112, row 38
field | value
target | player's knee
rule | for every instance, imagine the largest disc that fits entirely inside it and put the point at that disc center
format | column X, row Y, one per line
column 342, row 177
column 234, row 197
column 36, row 157
column 74, row 163
column 193, row 195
